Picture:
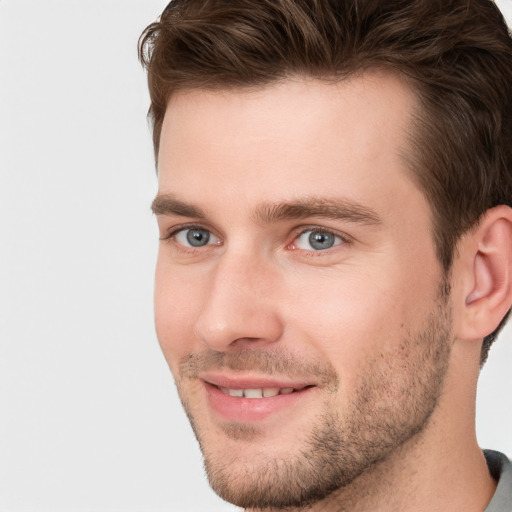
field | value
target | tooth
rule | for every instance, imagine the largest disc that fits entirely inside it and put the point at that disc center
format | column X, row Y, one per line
column 270, row 391
column 253, row 393
column 286, row 391
column 236, row 392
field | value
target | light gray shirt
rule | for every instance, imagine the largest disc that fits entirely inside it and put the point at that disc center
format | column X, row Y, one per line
column 501, row 470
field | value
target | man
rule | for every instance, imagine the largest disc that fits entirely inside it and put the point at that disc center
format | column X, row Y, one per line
column 335, row 181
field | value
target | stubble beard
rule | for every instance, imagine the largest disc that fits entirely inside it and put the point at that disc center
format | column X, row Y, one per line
column 397, row 394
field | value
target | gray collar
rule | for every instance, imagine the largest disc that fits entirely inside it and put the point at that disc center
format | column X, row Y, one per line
column 501, row 470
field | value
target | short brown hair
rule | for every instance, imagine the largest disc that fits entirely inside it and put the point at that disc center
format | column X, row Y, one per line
column 456, row 53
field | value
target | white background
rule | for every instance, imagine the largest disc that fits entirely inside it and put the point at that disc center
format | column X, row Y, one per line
column 89, row 419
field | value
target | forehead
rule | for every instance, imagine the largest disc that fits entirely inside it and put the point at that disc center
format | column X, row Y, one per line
column 287, row 138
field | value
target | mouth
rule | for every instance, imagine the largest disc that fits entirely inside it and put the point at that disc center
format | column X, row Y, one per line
column 249, row 400
column 260, row 392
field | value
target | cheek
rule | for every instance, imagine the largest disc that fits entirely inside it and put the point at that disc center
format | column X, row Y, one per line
column 351, row 319
column 176, row 300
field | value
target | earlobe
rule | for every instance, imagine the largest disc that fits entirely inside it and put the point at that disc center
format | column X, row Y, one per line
column 488, row 295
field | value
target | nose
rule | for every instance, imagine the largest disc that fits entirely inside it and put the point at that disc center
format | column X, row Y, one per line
column 240, row 306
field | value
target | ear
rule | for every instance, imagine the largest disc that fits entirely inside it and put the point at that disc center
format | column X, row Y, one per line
column 485, row 258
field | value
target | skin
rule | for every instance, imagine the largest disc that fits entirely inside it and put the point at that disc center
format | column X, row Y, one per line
column 365, row 322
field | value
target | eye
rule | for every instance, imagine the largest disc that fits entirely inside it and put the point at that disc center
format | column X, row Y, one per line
column 317, row 240
column 195, row 237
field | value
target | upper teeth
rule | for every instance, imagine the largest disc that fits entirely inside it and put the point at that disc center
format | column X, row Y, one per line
column 257, row 393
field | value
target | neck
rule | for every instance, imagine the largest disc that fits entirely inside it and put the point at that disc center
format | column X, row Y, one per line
column 420, row 477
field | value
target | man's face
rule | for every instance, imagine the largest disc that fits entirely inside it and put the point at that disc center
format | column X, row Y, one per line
column 298, row 295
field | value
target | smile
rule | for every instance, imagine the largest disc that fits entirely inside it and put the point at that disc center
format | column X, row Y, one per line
column 248, row 400
column 258, row 392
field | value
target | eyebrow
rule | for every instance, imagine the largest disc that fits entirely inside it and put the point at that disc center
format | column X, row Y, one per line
column 167, row 204
column 335, row 209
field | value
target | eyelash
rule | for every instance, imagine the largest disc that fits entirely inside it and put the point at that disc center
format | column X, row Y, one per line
column 345, row 239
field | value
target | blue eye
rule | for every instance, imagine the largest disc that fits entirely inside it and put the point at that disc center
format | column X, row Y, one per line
column 317, row 240
column 195, row 237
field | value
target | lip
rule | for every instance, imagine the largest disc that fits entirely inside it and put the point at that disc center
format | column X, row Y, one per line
column 252, row 382
column 250, row 410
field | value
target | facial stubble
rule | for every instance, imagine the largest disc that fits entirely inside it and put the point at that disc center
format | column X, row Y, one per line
column 395, row 398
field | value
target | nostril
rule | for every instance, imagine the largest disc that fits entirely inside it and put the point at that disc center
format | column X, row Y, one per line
column 221, row 330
